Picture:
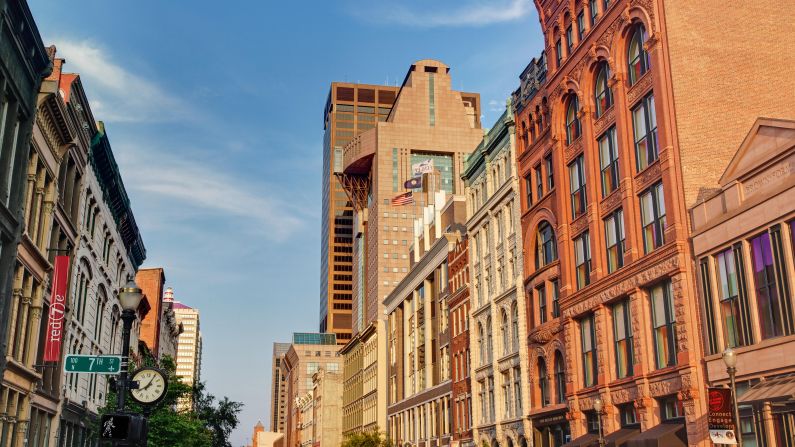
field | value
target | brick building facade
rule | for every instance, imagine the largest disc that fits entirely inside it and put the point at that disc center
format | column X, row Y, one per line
column 627, row 118
column 458, row 304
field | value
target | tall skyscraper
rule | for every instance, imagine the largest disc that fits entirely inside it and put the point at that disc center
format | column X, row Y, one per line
column 430, row 124
column 350, row 109
column 278, row 387
column 189, row 344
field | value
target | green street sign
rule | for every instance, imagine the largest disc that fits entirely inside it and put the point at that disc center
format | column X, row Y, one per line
column 92, row 364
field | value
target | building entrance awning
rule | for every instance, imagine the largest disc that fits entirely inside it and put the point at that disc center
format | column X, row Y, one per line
column 620, row 437
column 663, row 435
column 772, row 390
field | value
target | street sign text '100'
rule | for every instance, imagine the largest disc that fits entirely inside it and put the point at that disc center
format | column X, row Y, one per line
column 93, row 364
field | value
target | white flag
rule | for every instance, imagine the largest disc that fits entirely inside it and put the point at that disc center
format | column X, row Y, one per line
column 423, row 167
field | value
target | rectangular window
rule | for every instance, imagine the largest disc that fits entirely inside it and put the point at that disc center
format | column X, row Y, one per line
column 431, row 100
column 555, row 295
column 581, row 24
column 622, row 333
column 550, row 174
column 644, row 125
column 592, row 421
column 569, row 39
column 729, row 298
column 594, row 12
column 629, row 415
column 614, row 240
column 671, row 408
column 652, row 214
column 663, row 324
column 582, row 260
column 528, row 190
column 558, row 53
column 709, row 317
column 768, row 304
column 517, row 389
column 579, row 200
column 539, row 182
column 588, row 337
column 542, row 304
column 608, row 161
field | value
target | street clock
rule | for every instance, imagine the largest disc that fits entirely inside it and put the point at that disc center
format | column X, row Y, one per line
column 152, row 385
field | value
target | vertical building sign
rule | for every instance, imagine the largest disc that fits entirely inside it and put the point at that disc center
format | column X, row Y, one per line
column 55, row 322
column 720, row 417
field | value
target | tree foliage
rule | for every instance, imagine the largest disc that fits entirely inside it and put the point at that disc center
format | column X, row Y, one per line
column 366, row 439
column 208, row 424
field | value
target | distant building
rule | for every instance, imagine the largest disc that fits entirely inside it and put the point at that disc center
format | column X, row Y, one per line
column 350, row 109
column 327, row 408
column 170, row 328
column 189, row 345
column 262, row 438
column 430, row 124
column 278, row 387
column 419, row 394
column 308, row 353
column 159, row 327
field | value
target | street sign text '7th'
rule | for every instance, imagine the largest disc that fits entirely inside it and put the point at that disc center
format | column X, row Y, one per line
column 92, row 364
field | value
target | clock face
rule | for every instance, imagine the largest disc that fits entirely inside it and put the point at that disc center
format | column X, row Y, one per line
column 152, row 385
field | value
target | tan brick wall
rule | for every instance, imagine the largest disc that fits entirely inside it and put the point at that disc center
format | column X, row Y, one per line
column 730, row 63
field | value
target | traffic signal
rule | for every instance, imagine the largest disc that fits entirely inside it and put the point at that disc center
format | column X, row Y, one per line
column 123, row 427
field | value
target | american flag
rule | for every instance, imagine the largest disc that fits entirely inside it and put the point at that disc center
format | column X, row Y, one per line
column 407, row 198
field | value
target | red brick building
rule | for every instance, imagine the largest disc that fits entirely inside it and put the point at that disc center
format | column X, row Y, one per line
column 616, row 140
column 458, row 304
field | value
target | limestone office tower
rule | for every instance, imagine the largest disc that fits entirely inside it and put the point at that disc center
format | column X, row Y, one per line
column 350, row 109
column 428, row 121
column 189, row 344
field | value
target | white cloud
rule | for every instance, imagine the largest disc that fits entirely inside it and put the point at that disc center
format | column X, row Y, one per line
column 190, row 188
column 469, row 13
column 117, row 94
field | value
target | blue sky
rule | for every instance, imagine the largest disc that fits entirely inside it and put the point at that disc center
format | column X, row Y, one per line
column 214, row 111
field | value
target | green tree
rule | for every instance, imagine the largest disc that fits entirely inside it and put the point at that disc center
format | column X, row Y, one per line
column 366, row 439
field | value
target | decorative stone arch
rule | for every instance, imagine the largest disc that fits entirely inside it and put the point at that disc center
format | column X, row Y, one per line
column 542, row 214
column 630, row 16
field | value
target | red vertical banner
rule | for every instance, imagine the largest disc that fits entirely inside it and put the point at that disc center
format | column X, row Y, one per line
column 55, row 322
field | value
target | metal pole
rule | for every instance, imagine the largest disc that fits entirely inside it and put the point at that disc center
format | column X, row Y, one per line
column 601, row 432
column 127, row 316
column 738, row 431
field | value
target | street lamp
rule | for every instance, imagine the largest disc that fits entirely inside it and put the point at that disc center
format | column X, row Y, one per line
column 597, row 406
column 130, row 297
column 730, row 359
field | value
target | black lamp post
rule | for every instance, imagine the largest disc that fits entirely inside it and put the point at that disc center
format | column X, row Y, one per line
column 597, row 406
column 130, row 297
column 730, row 359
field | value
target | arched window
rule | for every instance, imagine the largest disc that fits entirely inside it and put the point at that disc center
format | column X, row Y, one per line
column 505, row 333
column 482, row 344
column 560, row 379
column 604, row 97
column 524, row 135
column 543, row 383
column 637, row 57
column 489, row 350
column 572, row 120
column 546, row 251
column 515, row 325
column 102, row 302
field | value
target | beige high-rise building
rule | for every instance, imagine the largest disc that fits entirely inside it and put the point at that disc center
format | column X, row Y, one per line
column 327, row 408
column 432, row 123
column 189, row 344
column 308, row 353
column 350, row 109
column 278, row 387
